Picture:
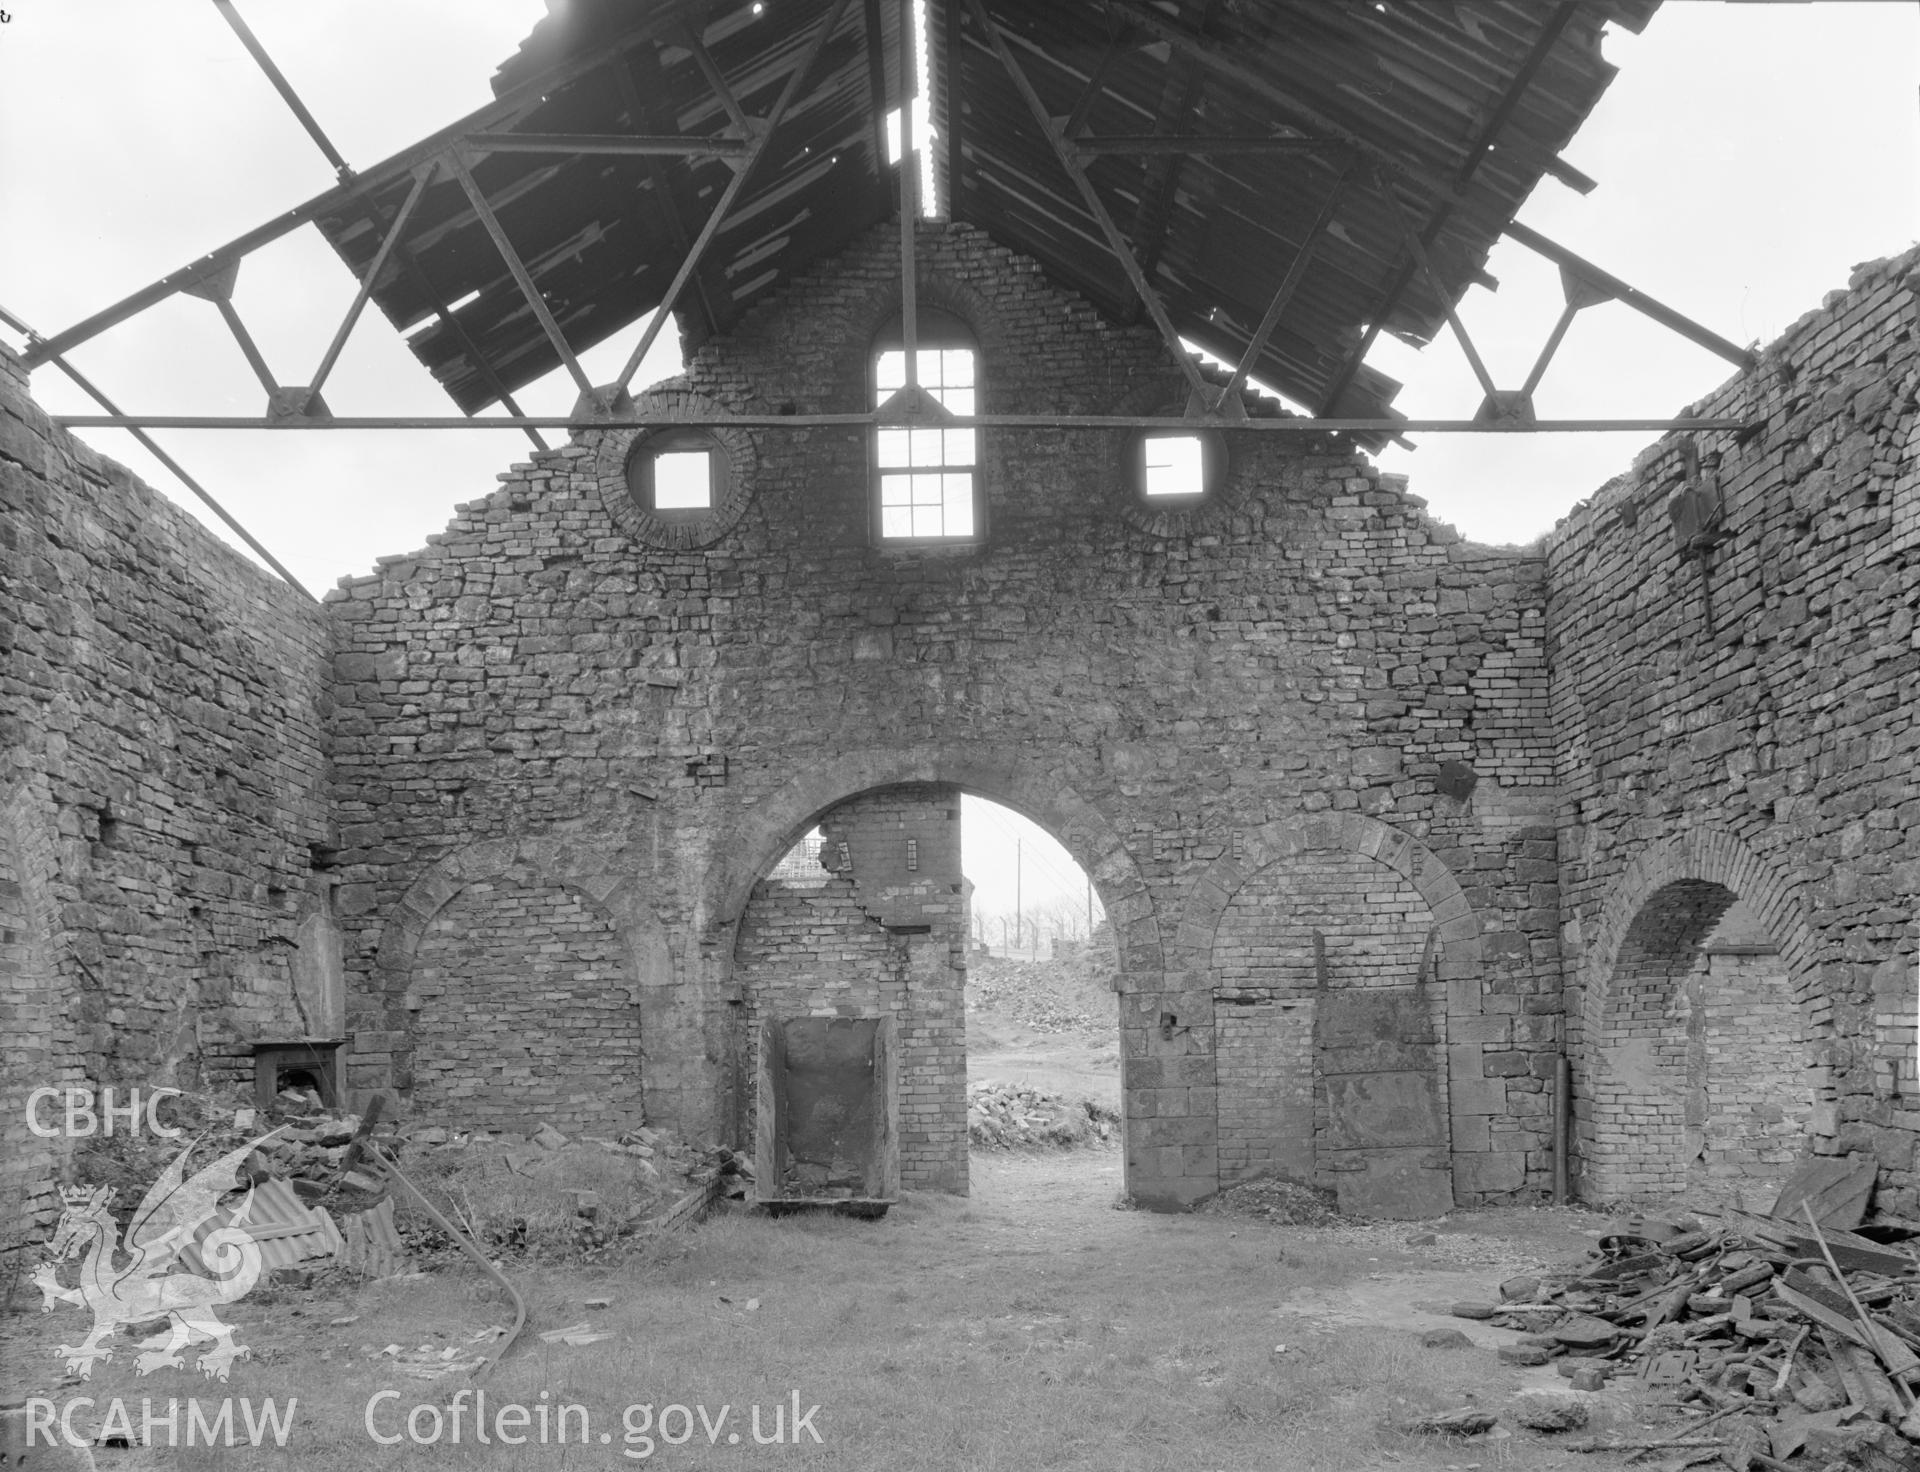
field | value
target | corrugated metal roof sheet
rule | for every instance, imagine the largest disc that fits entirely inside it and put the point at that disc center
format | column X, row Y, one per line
column 1415, row 84
column 285, row 1229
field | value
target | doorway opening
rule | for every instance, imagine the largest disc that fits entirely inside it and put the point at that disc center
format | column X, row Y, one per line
column 1043, row 1049
column 976, row 944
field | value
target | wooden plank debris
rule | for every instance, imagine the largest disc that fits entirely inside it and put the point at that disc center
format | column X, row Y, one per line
column 1836, row 1189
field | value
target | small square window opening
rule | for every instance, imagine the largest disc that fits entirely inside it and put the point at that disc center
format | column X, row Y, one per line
column 683, row 480
column 1175, row 465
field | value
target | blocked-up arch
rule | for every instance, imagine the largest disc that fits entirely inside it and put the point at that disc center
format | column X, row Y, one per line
column 1356, row 833
column 1287, row 1101
column 1040, row 791
column 616, row 895
column 1662, row 1033
column 616, row 981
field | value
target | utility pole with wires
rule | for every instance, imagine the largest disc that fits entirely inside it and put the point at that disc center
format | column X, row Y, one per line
column 1019, row 915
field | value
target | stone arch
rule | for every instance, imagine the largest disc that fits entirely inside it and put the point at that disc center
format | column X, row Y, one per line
column 1659, row 1041
column 1169, row 1161
column 616, row 895
column 1294, row 1130
column 589, row 874
column 1356, row 833
column 1038, row 790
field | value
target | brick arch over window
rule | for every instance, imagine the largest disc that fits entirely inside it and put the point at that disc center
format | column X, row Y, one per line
column 615, row 895
column 1036, row 790
column 934, row 292
column 1643, row 1059
column 1207, row 901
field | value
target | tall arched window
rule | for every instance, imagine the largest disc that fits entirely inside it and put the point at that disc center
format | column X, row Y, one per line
column 927, row 472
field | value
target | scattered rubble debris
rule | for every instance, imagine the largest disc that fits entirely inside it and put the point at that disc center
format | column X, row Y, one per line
column 1072, row 992
column 1012, row 1116
column 1277, row 1199
column 430, row 1362
column 1795, row 1334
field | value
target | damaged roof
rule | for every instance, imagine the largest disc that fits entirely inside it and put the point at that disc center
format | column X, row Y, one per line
column 1458, row 109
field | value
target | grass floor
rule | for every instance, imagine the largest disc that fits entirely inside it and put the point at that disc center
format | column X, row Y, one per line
column 1032, row 1326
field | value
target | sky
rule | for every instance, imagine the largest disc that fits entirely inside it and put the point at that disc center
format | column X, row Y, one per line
column 1748, row 156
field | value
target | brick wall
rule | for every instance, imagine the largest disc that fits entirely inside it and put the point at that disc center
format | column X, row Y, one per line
column 1741, row 715
column 1373, row 926
column 162, row 791
column 1748, row 1072
column 1266, row 1085
column 1144, row 684
column 525, row 1010
column 877, row 938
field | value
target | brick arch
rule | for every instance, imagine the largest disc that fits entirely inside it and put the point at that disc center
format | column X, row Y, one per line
column 1260, row 847
column 580, row 869
column 1713, row 856
column 1632, row 1073
column 593, row 875
column 1038, row 790
column 933, row 291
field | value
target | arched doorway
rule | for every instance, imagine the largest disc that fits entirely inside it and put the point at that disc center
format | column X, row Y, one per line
column 868, row 918
column 1701, row 1076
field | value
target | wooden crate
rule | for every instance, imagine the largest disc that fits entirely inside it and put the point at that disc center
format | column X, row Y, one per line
column 827, row 1126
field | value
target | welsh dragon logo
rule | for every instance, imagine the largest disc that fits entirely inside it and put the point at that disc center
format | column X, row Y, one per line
column 141, row 1287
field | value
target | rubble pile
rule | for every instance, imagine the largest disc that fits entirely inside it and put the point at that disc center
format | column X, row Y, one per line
column 1277, row 1199
column 548, row 1195
column 536, row 1193
column 1071, row 993
column 1799, row 1338
column 1010, row 1116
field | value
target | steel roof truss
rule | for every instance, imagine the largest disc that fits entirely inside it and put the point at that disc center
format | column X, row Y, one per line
column 765, row 129
column 490, row 222
column 1296, row 270
column 1115, row 241
column 387, row 243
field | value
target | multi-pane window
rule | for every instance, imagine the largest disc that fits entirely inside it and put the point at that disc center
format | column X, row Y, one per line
column 928, row 473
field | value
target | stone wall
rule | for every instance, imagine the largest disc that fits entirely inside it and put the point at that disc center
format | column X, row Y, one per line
column 164, row 835
column 1735, row 717
column 676, row 706
column 568, row 741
